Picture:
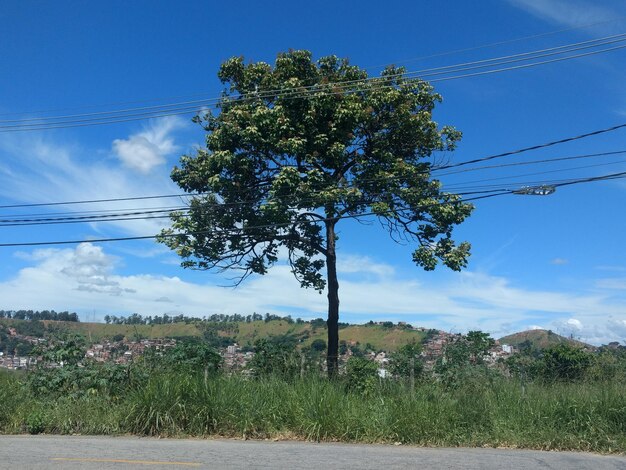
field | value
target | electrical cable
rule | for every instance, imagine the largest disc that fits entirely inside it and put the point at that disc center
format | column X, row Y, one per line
column 499, row 43
column 111, row 118
column 534, row 147
column 413, row 59
column 164, row 196
column 421, row 73
column 237, row 231
column 532, row 162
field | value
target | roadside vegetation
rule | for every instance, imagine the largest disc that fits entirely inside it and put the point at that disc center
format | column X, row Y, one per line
column 561, row 398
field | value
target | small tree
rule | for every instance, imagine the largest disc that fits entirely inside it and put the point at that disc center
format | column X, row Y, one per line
column 565, row 362
column 406, row 362
column 275, row 358
column 294, row 149
column 479, row 344
column 361, row 374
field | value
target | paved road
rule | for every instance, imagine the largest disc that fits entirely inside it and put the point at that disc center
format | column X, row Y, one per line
column 74, row 452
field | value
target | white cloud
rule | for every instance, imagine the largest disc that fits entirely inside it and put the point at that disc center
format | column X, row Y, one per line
column 569, row 327
column 355, row 264
column 86, row 268
column 610, row 268
column 85, row 278
column 618, row 326
column 566, row 12
column 591, row 330
column 559, row 261
column 45, row 171
column 146, row 150
column 615, row 283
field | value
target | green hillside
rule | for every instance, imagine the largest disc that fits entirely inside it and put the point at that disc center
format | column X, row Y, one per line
column 540, row 339
column 381, row 338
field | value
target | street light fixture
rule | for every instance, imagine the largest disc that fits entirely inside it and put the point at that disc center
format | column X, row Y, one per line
column 543, row 190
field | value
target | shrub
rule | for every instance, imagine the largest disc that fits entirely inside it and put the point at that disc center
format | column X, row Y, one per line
column 565, row 362
column 276, row 358
column 35, row 422
column 361, row 375
column 405, row 358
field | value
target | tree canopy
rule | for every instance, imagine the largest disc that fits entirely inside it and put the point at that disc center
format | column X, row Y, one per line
column 294, row 148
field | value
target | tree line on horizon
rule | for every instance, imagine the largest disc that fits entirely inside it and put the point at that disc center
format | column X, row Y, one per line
column 165, row 319
column 39, row 315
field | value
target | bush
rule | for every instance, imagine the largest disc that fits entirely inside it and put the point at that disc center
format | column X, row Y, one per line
column 188, row 356
column 106, row 380
column 405, row 358
column 565, row 362
column 275, row 358
column 361, row 375
column 318, row 345
column 35, row 422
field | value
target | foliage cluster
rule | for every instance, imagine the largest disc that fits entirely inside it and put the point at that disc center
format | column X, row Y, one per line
column 39, row 315
column 165, row 319
column 11, row 345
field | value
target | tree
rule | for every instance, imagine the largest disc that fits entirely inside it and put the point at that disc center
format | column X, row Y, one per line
column 479, row 344
column 406, row 361
column 293, row 149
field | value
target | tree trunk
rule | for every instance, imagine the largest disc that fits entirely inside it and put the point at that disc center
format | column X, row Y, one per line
column 333, row 301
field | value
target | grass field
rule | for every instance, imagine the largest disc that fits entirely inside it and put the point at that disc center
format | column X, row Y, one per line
column 483, row 412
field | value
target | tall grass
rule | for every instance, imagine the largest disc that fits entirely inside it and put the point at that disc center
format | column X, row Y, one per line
column 495, row 412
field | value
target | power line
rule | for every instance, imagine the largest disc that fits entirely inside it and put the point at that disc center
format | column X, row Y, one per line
column 500, row 43
column 238, row 231
column 105, row 212
column 122, row 215
column 80, row 221
column 532, row 162
column 91, row 217
column 111, row 117
column 401, row 61
column 94, row 201
column 551, row 182
column 235, row 232
column 503, row 60
column 422, row 73
column 534, row 147
column 506, row 69
column 153, row 214
column 559, row 170
column 184, row 195
column 337, row 90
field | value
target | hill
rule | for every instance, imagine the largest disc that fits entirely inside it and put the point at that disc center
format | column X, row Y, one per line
column 541, row 339
column 388, row 338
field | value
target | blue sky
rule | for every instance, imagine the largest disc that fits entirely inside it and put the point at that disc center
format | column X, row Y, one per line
column 554, row 262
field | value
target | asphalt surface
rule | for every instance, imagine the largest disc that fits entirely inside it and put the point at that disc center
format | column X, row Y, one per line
column 82, row 452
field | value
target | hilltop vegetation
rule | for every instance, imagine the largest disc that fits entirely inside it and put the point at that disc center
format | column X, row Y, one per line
column 539, row 340
column 39, row 315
